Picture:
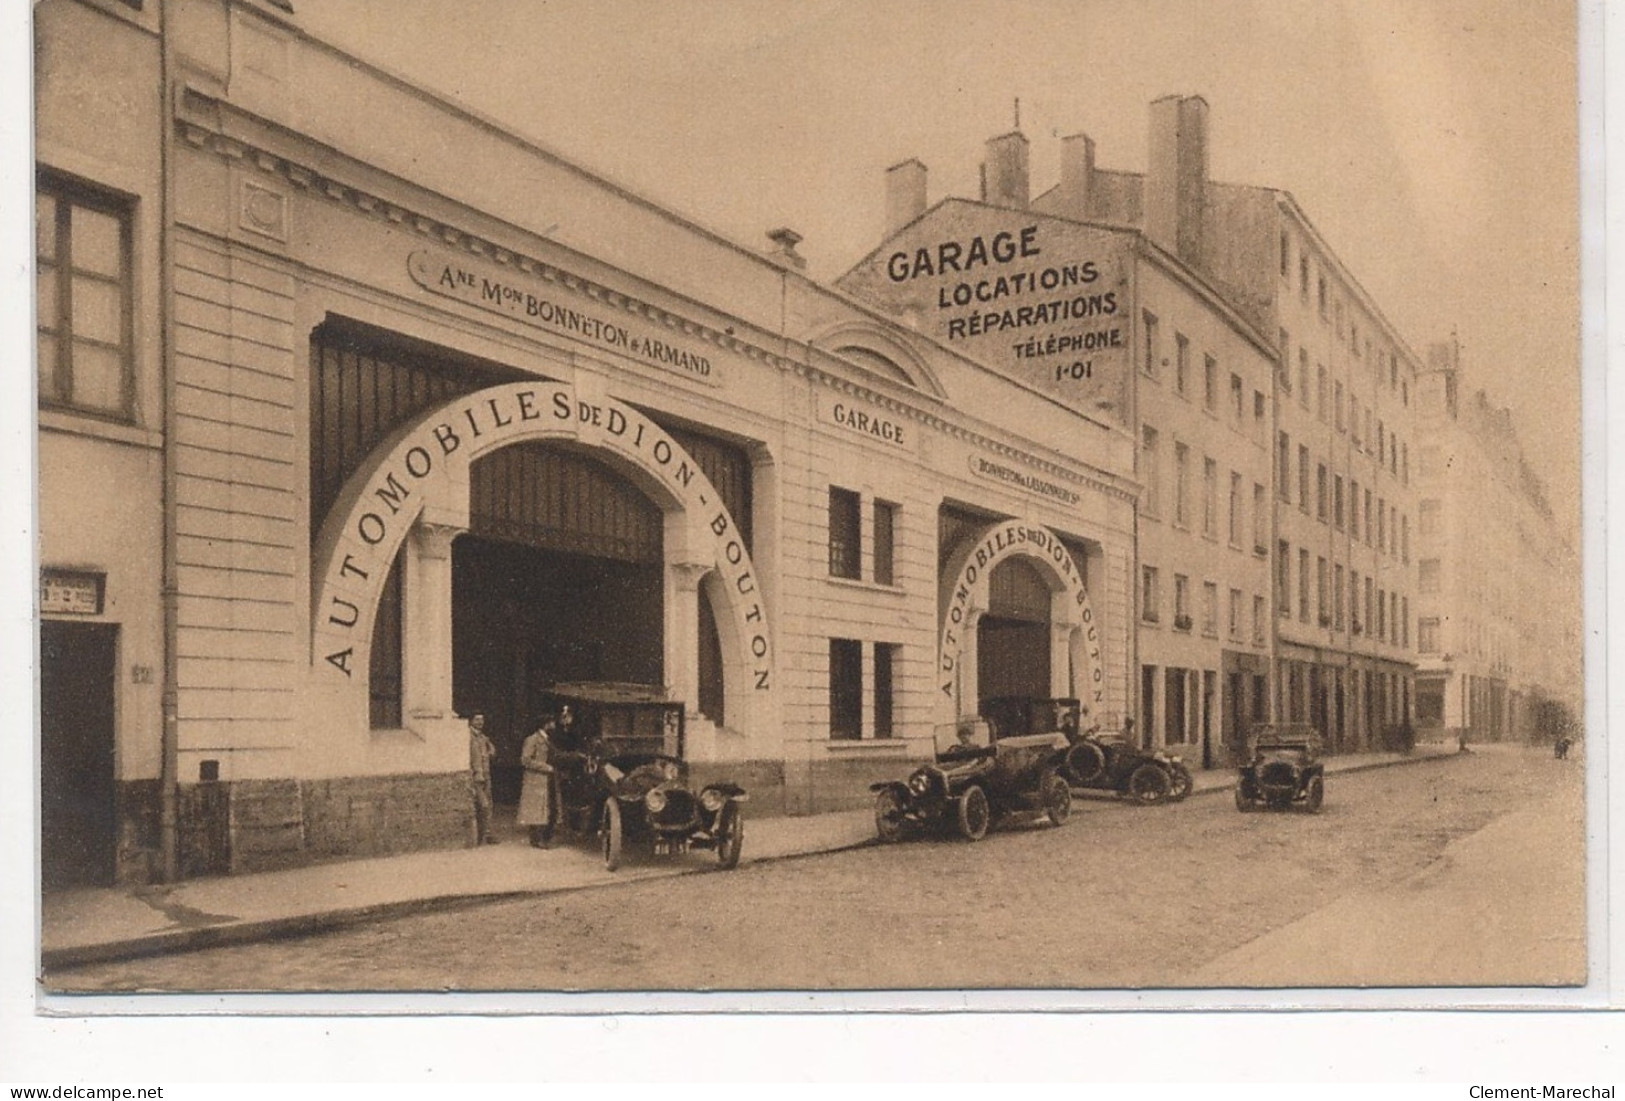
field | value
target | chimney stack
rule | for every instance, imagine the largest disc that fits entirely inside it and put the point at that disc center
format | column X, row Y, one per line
column 784, row 251
column 1176, row 176
column 905, row 194
column 1077, row 174
column 1004, row 172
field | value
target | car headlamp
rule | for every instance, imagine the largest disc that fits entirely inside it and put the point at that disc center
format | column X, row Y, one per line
column 919, row 783
column 712, row 799
column 655, row 800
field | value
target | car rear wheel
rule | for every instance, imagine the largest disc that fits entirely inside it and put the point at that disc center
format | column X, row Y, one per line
column 612, row 835
column 974, row 814
column 1243, row 804
column 889, row 816
column 730, row 836
column 1314, row 795
column 1057, row 798
column 1149, row 784
column 1180, row 782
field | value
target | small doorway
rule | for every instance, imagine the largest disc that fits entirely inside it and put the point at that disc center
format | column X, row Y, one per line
column 78, row 821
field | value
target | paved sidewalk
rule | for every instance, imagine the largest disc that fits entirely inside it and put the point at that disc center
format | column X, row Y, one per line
column 89, row 925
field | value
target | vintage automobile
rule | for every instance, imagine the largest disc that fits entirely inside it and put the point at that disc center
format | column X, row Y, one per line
column 623, row 779
column 978, row 777
column 1283, row 769
column 1111, row 761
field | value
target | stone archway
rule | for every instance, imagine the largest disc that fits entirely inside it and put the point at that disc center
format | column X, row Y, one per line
column 1075, row 665
column 413, row 493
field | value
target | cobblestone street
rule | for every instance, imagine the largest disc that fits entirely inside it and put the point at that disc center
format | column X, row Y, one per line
column 1120, row 897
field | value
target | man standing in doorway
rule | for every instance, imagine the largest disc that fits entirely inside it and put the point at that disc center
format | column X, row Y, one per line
column 480, row 751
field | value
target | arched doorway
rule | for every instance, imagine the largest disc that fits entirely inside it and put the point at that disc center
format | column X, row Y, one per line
column 1013, row 636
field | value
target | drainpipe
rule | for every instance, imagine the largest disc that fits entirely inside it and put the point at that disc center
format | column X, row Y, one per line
column 169, row 779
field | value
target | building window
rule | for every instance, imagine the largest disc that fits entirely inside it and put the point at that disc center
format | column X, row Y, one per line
column 1238, row 403
column 1258, row 620
column 1368, row 517
column 1337, row 501
column 1369, row 588
column 1235, row 509
column 885, row 666
column 845, row 688
column 1182, row 477
column 1382, row 616
column 1303, row 478
column 384, row 670
column 1337, row 597
column 1323, row 603
column 1286, row 256
column 1260, row 519
column 1320, row 392
column 1427, row 634
column 1148, row 462
column 1337, row 406
column 1429, row 517
column 1405, row 539
column 885, row 535
column 1303, row 377
column 85, row 323
column 1283, row 578
column 1235, row 613
column 1210, row 383
column 1320, row 295
column 1303, row 585
column 1303, row 277
column 1210, row 498
column 1427, row 576
column 1285, row 369
column 1382, row 524
column 1320, row 493
column 1355, row 619
column 1260, row 433
column 844, row 535
column 1354, row 509
column 1382, row 442
column 1283, row 465
column 1210, row 609
column 1405, row 463
column 1393, row 617
column 1405, row 621
column 1148, row 365
column 1182, row 602
column 1182, row 365
column 1150, row 599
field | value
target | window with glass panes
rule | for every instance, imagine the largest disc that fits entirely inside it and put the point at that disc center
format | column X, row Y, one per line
column 845, row 522
column 85, row 327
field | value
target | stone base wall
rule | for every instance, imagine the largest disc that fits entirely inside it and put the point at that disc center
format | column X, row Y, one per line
column 262, row 825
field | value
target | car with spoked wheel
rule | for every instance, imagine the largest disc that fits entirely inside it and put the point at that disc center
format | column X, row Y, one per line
column 1111, row 761
column 977, row 779
column 1283, row 769
column 624, row 781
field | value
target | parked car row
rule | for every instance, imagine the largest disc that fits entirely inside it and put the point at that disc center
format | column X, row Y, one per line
column 628, row 781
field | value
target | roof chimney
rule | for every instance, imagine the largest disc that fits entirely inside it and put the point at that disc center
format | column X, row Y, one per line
column 905, row 194
column 1176, row 176
column 1004, row 173
column 1077, row 174
column 784, row 251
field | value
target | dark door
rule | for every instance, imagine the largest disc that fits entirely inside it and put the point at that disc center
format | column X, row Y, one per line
column 77, row 820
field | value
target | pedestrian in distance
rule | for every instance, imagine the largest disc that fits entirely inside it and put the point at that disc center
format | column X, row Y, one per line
column 536, row 799
column 480, row 751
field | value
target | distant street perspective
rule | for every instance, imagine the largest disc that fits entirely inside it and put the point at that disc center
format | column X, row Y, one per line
column 1463, row 870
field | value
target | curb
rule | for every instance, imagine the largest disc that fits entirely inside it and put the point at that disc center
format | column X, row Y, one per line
column 247, row 932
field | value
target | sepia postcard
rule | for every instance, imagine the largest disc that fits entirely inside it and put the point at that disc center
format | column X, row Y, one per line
column 584, row 507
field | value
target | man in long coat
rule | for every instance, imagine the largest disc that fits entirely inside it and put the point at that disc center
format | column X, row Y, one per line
column 480, row 751
column 536, row 791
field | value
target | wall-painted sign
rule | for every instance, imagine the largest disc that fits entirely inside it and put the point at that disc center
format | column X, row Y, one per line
column 868, row 421
column 511, row 294
column 1002, row 472
column 1044, row 300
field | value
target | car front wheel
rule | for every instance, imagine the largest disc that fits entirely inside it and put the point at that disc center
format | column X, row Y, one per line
column 974, row 814
column 612, row 834
column 730, row 836
column 1180, row 782
column 1149, row 784
column 1314, row 795
column 889, row 816
column 1057, row 798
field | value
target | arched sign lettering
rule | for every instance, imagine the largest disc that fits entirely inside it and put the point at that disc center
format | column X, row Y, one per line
column 965, row 597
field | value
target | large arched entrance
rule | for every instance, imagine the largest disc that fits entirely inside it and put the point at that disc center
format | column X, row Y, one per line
column 1016, row 621
column 515, row 537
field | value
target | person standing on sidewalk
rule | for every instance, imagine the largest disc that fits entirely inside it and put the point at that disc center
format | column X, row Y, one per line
column 536, row 791
column 480, row 751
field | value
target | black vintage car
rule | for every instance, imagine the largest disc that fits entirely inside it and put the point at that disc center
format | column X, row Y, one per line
column 1283, row 769
column 980, row 776
column 623, row 778
column 1111, row 761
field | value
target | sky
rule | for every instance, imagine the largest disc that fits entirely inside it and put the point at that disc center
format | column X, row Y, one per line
column 1434, row 145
